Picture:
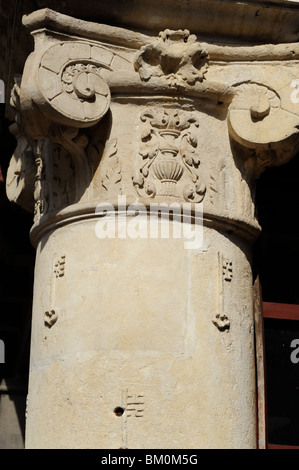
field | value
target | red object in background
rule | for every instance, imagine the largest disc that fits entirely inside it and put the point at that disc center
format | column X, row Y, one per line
column 1, row 176
column 281, row 311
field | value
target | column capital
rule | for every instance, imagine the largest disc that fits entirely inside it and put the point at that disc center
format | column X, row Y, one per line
column 109, row 111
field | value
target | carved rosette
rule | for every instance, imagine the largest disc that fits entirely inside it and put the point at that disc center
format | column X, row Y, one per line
column 168, row 158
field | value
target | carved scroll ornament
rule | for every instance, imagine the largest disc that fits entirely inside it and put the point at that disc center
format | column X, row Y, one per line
column 69, row 89
column 266, row 121
column 175, row 55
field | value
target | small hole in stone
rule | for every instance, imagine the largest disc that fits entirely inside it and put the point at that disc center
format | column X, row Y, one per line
column 119, row 411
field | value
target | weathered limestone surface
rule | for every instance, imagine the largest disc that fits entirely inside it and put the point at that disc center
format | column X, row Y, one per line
column 138, row 341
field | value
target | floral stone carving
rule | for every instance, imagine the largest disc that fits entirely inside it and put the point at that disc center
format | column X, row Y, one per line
column 176, row 55
column 169, row 157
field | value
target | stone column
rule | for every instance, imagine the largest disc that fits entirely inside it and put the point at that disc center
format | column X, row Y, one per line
column 140, row 339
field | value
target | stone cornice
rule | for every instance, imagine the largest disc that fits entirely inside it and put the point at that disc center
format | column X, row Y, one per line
column 51, row 20
column 215, row 21
column 48, row 19
column 247, row 21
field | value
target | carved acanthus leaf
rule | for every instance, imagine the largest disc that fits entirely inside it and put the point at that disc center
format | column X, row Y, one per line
column 21, row 171
column 113, row 176
column 71, row 139
column 75, row 143
column 41, row 189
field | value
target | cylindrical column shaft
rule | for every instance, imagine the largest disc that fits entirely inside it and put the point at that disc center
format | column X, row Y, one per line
column 152, row 346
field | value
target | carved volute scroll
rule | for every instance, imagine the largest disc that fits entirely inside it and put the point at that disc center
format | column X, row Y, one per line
column 71, row 85
column 68, row 87
column 112, row 179
column 266, row 121
column 63, row 93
